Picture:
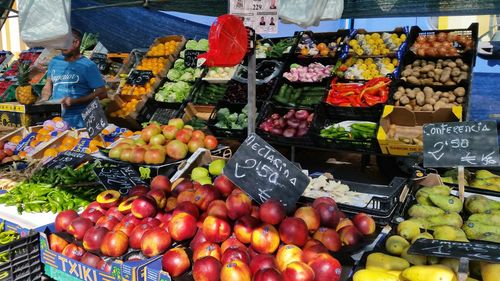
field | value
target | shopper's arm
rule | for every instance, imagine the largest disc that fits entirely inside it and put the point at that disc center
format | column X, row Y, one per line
column 99, row 93
column 46, row 91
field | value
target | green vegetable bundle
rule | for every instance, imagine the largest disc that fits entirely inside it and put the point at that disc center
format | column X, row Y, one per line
column 299, row 96
column 233, row 121
column 6, row 237
column 210, row 93
column 66, row 176
column 173, row 92
column 356, row 131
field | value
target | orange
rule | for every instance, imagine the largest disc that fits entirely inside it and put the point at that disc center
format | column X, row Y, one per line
column 127, row 134
column 34, row 143
column 304, row 51
column 324, row 52
column 45, row 138
column 50, row 152
column 15, row 139
column 321, row 46
column 63, row 148
column 57, row 119
column 43, row 131
column 39, row 137
column 22, row 154
column 69, row 141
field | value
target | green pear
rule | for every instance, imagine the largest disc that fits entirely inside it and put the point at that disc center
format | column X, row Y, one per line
column 447, row 203
column 215, row 168
column 422, row 211
column 413, row 259
column 396, row 244
column 484, row 174
column 199, row 172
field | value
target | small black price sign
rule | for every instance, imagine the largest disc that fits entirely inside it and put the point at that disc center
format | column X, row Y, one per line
column 191, row 58
column 139, row 77
column 94, row 118
column 479, row 251
column 120, row 177
column 263, row 173
column 68, row 158
column 467, row 144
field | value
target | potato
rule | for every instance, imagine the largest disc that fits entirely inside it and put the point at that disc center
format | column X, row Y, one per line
column 460, row 100
column 428, row 90
column 413, row 102
column 427, row 81
column 450, row 83
column 438, row 71
column 463, row 76
column 404, row 100
column 430, row 101
column 427, row 107
column 397, row 103
column 459, row 62
column 445, row 95
column 455, row 72
column 444, row 100
column 409, row 107
column 411, row 94
column 401, row 89
column 408, row 90
column 459, row 92
column 438, row 105
column 427, row 68
column 420, row 97
column 417, row 108
column 431, row 74
column 407, row 72
column 437, row 84
column 452, row 97
column 397, row 95
column 416, row 63
column 452, row 64
column 464, row 67
column 445, row 76
column 413, row 80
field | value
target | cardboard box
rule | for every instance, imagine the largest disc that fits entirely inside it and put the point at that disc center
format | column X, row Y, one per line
column 202, row 112
column 14, row 114
column 411, row 123
column 126, row 271
column 153, row 272
column 179, row 38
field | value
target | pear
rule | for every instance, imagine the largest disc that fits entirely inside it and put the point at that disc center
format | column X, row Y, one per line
column 444, row 232
column 413, row 259
column 421, row 222
column 447, row 203
column 408, row 229
column 451, row 219
column 480, row 204
column 396, row 244
column 484, row 174
column 422, row 194
column 484, row 218
column 451, row 263
column 422, row 211
column 423, row 235
column 479, row 231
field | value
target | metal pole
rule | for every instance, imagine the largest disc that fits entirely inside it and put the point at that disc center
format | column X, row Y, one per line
column 251, row 92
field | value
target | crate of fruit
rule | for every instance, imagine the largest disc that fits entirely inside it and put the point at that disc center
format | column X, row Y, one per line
column 331, row 131
column 362, row 43
column 230, row 120
column 19, row 256
column 168, row 46
column 323, row 46
column 285, row 125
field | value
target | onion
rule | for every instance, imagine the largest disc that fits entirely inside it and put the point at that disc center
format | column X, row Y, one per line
column 282, row 123
column 442, row 51
column 289, row 114
column 421, row 39
column 301, row 114
column 290, row 132
column 441, row 37
column 302, row 132
column 310, row 117
column 303, row 125
column 293, row 123
column 276, row 131
column 276, row 122
column 275, row 116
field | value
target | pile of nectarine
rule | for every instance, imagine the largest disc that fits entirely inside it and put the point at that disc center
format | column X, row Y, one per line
column 230, row 237
column 157, row 142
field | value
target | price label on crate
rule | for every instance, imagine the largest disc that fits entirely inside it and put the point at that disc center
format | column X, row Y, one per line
column 94, row 118
column 479, row 251
column 139, row 77
column 162, row 115
column 468, row 144
column 263, row 173
column 191, row 58
column 121, row 178
column 68, row 158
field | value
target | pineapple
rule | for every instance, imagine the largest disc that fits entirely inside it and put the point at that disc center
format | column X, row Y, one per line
column 24, row 92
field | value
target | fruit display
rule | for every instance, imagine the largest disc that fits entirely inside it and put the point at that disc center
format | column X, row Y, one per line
column 428, row 99
column 156, row 142
column 200, row 45
column 265, row 71
column 302, row 96
column 482, row 179
column 436, row 73
column 232, row 120
column 314, row 72
column 310, row 48
column 294, row 123
column 267, row 49
column 139, row 90
column 209, row 93
column 163, row 49
column 126, row 109
column 156, row 65
column 236, row 92
column 376, row 44
column 442, row 44
column 219, row 74
column 4, row 85
column 45, row 197
column 349, row 131
column 182, row 73
column 173, row 92
column 24, row 92
column 373, row 92
column 366, row 69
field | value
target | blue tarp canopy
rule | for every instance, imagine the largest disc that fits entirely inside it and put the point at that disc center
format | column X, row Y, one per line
column 122, row 29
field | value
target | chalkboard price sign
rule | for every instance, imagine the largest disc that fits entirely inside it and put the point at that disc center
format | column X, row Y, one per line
column 467, row 144
column 94, row 118
column 68, row 158
column 263, row 173
column 479, row 251
column 121, row 178
column 191, row 58
column 139, row 77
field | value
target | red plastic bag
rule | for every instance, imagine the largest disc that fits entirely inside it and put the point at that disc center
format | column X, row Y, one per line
column 228, row 42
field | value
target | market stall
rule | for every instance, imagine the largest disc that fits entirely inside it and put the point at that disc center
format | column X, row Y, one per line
column 182, row 175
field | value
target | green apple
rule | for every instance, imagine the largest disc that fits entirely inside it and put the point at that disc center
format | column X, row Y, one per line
column 216, row 167
column 204, row 180
column 199, row 172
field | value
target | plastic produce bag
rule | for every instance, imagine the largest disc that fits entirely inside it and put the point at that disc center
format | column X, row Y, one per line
column 304, row 13
column 45, row 23
column 333, row 10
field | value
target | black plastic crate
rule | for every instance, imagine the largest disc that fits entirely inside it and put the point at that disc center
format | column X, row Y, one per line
column 306, row 63
column 161, row 111
column 472, row 30
column 299, row 85
column 240, row 134
column 273, row 41
column 203, row 89
column 323, row 117
column 270, row 108
column 263, row 92
column 399, row 52
column 24, row 259
column 338, row 37
column 384, row 203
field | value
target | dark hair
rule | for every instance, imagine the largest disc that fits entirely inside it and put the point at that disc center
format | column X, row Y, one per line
column 77, row 33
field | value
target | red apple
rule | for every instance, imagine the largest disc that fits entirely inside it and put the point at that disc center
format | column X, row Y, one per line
column 329, row 238
column 272, row 212
column 293, row 231
column 155, row 241
column 175, row 261
column 57, row 244
column 244, row 227
column 224, row 185
column 74, row 252
column 364, row 223
column 143, row 207
column 79, row 226
column 238, row 205
column 114, row 244
column 93, row 238
column 310, row 217
column 298, row 271
column 182, row 226
column 207, row 269
column 326, row 268
column 64, row 219
column 215, row 229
